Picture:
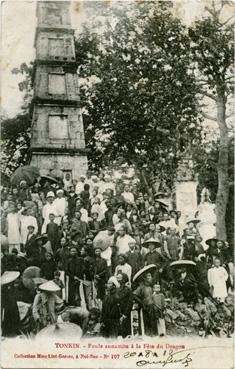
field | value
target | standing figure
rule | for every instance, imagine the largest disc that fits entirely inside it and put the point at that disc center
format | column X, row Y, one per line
column 49, row 208
column 125, row 302
column 10, row 316
column 110, row 314
column 160, row 305
column 217, row 277
column 144, row 296
column 74, row 271
column 13, row 228
column 207, row 216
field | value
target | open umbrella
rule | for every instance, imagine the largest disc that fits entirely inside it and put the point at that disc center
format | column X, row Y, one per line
column 49, row 286
column 28, row 275
column 148, row 268
column 57, row 173
column 160, row 195
column 26, row 173
column 182, row 263
column 60, row 330
column 194, row 220
column 213, row 241
column 49, row 179
column 9, row 277
column 102, row 241
column 151, row 241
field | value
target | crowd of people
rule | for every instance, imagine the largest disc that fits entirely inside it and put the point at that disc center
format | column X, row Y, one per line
column 102, row 255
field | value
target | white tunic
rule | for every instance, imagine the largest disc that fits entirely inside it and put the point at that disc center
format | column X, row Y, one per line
column 25, row 221
column 123, row 244
column 13, row 224
column 49, row 209
column 217, row 278
column 206, row 227
column 61, row 206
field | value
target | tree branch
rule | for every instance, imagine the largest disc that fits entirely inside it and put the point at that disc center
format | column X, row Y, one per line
column 228, row 20
column 207, row 116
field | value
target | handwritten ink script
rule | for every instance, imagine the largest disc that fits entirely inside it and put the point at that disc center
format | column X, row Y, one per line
column 149, row 357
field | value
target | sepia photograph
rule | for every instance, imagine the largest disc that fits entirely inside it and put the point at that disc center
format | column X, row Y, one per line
column 117, row 184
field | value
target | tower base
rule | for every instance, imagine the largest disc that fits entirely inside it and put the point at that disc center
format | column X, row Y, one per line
column 74, row 164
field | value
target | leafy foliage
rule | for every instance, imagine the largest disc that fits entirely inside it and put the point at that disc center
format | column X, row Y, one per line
column 139, row 92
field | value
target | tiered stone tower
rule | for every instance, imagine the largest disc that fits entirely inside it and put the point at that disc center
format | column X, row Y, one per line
column 57, row 127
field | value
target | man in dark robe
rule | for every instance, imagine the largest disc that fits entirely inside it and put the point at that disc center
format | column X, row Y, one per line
column 75, row 271
column 125, row 302
column 110, row 314
column 101, row 273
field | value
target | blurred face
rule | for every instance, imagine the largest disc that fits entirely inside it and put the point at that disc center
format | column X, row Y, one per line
column 156, row 288
column 165, row 216
column 126, row 188
column 72, row 189
column 67, row 177
column 191, row 225
column 83, row 251
column 145, row 196
column 12, row 208
column 94, row 193
column 152, row 227
column 172, row 231
column 51, row 217
column 65, row 224
column 149, row 278
column 151, row 247
column 121, row 231
column 77, row 215
column 110, row 285
column 19, row 206
column 94, row 216
column 15, row 191
column 89, row 243
column 97, row 252
column 29, row 211
column 82, row 179
column 48, row 256
column 78, row 203
column 132, row 245
column 119, row 278
column 63, row 241
column 219, row 244
column 50, row 199
column 10, row 197
column 30, row 230
column 60, row 195
column 121, row 260
column 73, row 252
column 119, row 211
column 217, row 263
column 158, row 228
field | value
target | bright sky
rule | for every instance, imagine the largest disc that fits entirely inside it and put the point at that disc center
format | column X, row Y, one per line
column 18, row 28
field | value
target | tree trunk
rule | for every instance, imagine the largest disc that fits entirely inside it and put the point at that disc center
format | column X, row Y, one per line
column 222, row 169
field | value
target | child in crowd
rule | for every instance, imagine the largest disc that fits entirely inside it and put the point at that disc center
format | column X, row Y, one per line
column 159, row 303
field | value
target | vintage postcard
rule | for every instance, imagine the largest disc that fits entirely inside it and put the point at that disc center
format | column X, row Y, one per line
column 117, row 184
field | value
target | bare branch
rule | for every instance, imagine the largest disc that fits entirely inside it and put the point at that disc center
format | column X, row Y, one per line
column 207, row 116
column 228, row 20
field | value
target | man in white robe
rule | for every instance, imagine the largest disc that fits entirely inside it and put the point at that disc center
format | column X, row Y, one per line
column 61, row 205
column 217, row 277
column 49, row 208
